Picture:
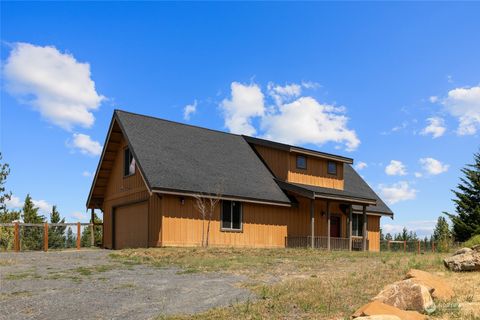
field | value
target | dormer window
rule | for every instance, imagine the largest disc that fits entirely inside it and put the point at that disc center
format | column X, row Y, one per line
column 128, row 163
column 301, row 162
column 332, row 168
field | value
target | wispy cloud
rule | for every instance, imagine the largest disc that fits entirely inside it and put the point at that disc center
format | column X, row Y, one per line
column 397, row 192
column 433, row 166
column 189, row 110
column 361, row 165
column 421, row 227
column 86, row 145
column 435, row 127
column 396, row 168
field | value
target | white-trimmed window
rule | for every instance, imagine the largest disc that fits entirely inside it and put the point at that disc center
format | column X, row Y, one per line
column 231, row 215
column 128, row 163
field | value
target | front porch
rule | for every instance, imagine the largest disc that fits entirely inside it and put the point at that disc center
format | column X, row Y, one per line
column 337, row 208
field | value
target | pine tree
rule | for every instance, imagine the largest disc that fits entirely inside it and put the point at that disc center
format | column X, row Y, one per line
column 442, row 235
column 86, row 239
column 388, row 236
column 56, row 234
column 32, row 237
column 70, row 242
column 6, row 215
column 466, row 221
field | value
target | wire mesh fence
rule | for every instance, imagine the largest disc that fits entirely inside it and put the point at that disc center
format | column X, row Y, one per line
column 418, row 246
column 49, row 236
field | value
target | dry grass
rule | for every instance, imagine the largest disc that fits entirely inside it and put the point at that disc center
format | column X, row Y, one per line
column 302, row 284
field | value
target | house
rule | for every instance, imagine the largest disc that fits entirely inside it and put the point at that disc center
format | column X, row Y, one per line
column 272, row 194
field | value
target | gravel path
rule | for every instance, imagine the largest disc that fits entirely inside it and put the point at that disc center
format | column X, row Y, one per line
column 89, row 285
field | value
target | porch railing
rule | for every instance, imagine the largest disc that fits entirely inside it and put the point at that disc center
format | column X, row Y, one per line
column 322, row 243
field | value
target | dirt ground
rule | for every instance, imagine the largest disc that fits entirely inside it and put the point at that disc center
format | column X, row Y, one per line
column 89, row 285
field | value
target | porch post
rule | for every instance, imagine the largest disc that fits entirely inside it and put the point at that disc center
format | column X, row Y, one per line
column 328, row 225
column 312, row 222
column 350, row 229
column 364, row 238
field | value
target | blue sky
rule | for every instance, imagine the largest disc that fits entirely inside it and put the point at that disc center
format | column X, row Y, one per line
column 395, row 86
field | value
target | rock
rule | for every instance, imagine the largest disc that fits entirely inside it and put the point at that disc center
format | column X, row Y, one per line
column 377, row 308
column 379, row 317
column 408, row 295
column 441, row 289
column 462, row 251
column 476, row 247
column 468, row 261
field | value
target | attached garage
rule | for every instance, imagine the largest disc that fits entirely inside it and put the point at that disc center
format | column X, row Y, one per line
column 130, row 225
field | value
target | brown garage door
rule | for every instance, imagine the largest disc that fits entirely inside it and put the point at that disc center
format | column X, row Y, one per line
column 131, row 226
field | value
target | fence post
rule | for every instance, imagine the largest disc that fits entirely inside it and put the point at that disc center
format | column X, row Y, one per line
column 79, row 235
column 405, row 245
column 17, row 238
column 45, row 236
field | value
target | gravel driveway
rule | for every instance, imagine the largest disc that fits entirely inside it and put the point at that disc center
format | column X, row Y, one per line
column 89, row 285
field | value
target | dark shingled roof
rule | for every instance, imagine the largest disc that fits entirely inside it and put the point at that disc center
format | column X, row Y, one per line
column 183, row 158
column 354, row 187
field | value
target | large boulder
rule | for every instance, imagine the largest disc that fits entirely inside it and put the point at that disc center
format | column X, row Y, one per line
column 379, row 317
column 408, row 295
column 377, row 308
column 467, row 261
column 441, row 290
column 462, row 251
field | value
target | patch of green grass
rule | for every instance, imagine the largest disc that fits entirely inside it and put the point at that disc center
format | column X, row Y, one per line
column 7, row 262
column 472, row 241
column 22, row 275
column 83, row 271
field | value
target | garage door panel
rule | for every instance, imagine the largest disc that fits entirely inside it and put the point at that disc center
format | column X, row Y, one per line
column 131, row 226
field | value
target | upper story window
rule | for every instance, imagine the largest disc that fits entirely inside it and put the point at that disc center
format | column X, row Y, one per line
column 301, row 162
column 128, row 163
column 231, row 215
column 332, row 167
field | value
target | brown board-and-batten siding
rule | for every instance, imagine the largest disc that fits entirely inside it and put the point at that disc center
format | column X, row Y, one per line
column 373, row 231
column 122, row 191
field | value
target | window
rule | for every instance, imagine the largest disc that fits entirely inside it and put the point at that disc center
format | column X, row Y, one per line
column 231, row 215
column 357, row 225
column 301, row 162
column 128, row 163
column 332, row 167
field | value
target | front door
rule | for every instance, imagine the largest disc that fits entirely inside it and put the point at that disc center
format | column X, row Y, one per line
column 335, row 226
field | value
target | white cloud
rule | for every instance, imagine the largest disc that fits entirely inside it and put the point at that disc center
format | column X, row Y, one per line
column 301, row 121
column 86, row 145
column 433, row 166
column 86, row 173
column 464, row 104
column 361, row 165
column 310, row 85
column 436, row 127
column 418, row 175
column 54, row 83
column 284, row 93
column 433, row 99
column 396, row 168
column 189, row 110
column 79, row 215
column 422, row 227
column 305, row 120
column 247, row 101
column 400, row 191
column 14, row 202
column 43, row 206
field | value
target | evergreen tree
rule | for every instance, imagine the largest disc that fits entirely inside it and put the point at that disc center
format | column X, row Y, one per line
column 382, row 236
column 70, row 242
column 6, row 215
column 388, row 236
column 32, row 237
column 86, row 238
column 56, row 234
column 466, row 221
column 442, row 235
